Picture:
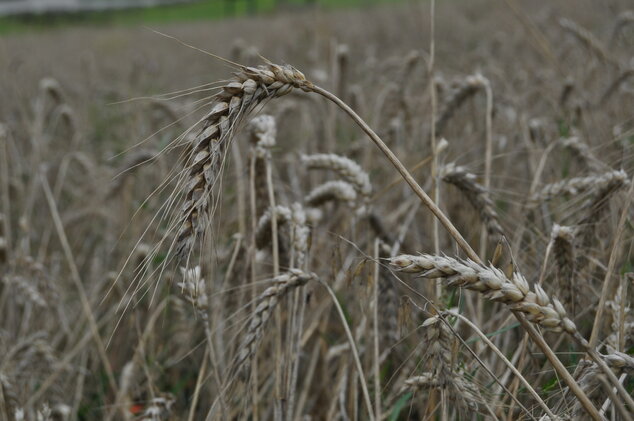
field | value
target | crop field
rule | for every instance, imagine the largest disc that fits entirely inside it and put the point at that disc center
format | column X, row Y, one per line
column 414, row 210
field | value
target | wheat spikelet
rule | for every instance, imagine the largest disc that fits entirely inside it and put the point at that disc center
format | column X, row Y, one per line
column 589, row 378
column 587, row 39
column 250, row 86
column 426, row 380
column 263, row 229
column 331, row 191
column 625, row 18
column 441, row 346
column 465, row 90
column 577, row 185
column 476, row 194
column 265, row 304
column 615, row 85
column 461, row 388
column 388, row 301
column 605, row 187
column 619, row 325
column 345, row 167
column 300, row 234
column 494, row 285
column 159, row 408
column 563, row 240
column 262, row 134
column 581, row 150
column 193, row 287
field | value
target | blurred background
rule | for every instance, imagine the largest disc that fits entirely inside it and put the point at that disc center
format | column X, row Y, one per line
column 22, row 14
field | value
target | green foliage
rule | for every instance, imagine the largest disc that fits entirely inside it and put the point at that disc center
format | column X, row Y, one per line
column 399, row 405
column 197, row 11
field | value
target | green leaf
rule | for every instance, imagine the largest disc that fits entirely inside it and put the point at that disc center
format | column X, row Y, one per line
column 399, row 405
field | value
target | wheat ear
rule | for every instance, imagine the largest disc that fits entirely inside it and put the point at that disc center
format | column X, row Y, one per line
column 606, row 186
column 331, row 191
column 494, row 285
column 349, row 170
column 537, row 306
column 590, row 374
column 249, row 87
column 465, row 90
column 578, row 185
column 263, row 230
column 477, row 196
column 266, row 303
column 582, row 151
column 262, row 134
column 625, row 18
column 588, row 39
column 563, row 240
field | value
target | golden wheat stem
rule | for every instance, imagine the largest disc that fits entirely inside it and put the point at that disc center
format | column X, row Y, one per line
column 401, row 169
column 598, row 319
column 488, row 157
column 353, row 348
column 85, row 303
column 375, row 316
column 505, row 360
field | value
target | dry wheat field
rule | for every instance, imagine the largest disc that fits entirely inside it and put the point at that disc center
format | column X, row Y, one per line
column 413, row 211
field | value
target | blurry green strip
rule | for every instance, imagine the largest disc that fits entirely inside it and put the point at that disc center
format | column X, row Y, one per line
column 197, row 11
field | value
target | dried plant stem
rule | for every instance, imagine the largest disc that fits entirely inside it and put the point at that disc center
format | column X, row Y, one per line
column 401, row 169
column 623, row 411
column 506, row 361
column 598, row 319
column 85, row 303
column 488, row 157
column 199, row 382
column 4, row 189
column 375, row 316
column 253, row 278
column 353, row 349
column 434, row 151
